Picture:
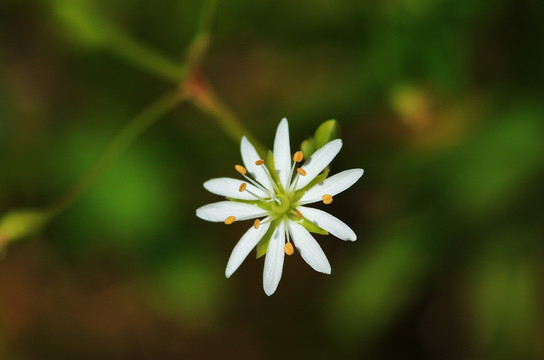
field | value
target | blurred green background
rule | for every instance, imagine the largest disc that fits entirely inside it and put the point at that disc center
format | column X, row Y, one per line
column 441, row 102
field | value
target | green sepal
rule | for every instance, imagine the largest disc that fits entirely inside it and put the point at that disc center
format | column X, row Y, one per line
column 269, row 163
column 319, row 178
column 252, row 202
column 308, row 225
column 262, row 245
column 265, row 206
column 326, row 132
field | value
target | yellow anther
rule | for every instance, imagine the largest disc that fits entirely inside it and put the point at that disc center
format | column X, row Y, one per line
column 327, row 199
column 256, row 224
column 242, row 187
column 259, row 162
column 299, row 155
column 242, row 170
column 299, row 215
column 289, row 250
column 230, row 220
column 301, row 172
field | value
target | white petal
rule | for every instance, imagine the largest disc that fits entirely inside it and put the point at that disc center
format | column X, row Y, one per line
column 319, row 161
column 219, row 211
column 231, row 188
column 309, row 249
column 332, row 185
column 282, row 153
column 249, row 156
column 244, row 247
column 328, row 222
column 273, row 263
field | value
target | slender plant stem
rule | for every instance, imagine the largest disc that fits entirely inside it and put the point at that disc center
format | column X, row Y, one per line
column 127, row 48
column 84, row 19
column 189, row 79
column 206, row 17
column 118, row 145
column 206, row 99
column 86, row 22
column 199, row 89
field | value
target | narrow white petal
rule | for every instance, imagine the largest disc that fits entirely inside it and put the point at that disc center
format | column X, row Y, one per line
column 244, row 247
column 319, row 161
column 309, row 249
column 273, row 263
column 231, row 188
column 332, row 185
column 249, row 156
column 282, row 153
column 219, row 211
column 328, row 222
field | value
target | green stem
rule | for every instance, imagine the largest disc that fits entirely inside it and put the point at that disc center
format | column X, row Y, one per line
column 127, row 48
column 206, row 17
column 123, row 140
column 206, row 99
column 92, row 29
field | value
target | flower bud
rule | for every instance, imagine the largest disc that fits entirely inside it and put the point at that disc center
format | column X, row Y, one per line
column 326, row 132
column 19, row 224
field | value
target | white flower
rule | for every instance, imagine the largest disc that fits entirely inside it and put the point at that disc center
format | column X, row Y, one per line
column 275, row 198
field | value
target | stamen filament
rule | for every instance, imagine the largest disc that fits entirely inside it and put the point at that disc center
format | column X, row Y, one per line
column 295, row 183
column 257, row 185
column 291, row 171
column 267, row 220
column 258, row 197
column 269, row 176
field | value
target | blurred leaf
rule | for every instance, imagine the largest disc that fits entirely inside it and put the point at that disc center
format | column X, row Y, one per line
column 503, row 300
column 492, row 166
column 188, row 288
column 381, row 283
column 129, row 204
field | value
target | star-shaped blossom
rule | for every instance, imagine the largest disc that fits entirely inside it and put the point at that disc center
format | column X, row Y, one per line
column 275, row 193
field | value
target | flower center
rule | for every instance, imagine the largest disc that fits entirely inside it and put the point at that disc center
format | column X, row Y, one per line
column 282, row 205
